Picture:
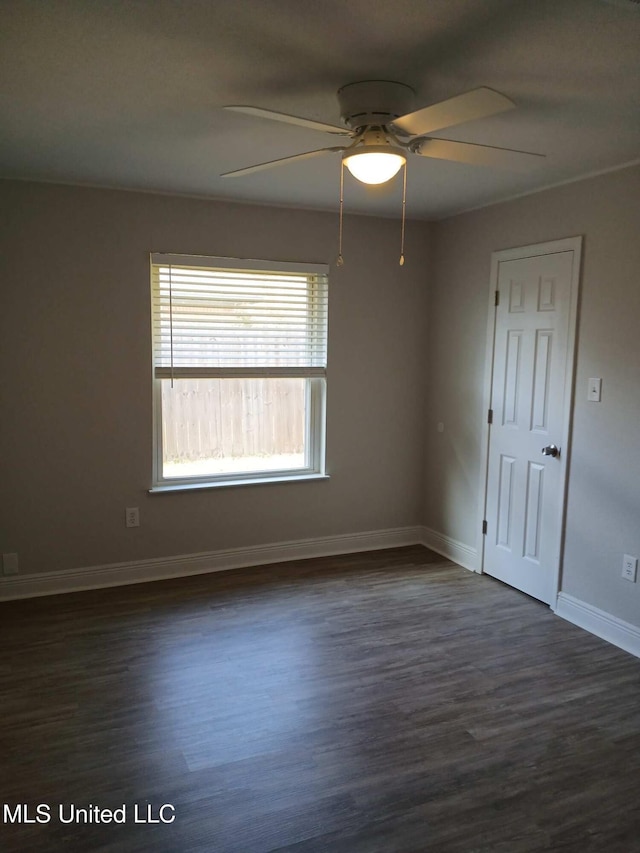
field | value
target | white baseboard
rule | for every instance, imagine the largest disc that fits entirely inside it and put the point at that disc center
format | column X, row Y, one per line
column 598, row 622
column 140, row 571
column 463, row 555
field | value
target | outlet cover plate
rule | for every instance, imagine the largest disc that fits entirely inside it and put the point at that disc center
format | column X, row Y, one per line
column 10, row 564
column 629, row 567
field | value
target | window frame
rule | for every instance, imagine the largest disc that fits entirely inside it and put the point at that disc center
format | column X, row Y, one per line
column 315, row 392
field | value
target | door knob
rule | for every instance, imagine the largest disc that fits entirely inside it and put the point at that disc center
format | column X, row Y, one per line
column 551, row 450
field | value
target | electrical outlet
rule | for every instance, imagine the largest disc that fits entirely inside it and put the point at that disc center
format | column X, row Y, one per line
column 10, row 564
column 132, row 516
column 629, row 567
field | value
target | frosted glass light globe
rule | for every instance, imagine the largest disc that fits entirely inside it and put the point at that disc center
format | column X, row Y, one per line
column 374, row 164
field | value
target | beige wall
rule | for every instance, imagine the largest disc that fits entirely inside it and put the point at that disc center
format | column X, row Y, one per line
column 603, row 511
column 76, row 381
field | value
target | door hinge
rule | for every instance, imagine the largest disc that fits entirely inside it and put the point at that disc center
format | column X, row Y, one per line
column 490, row 416
column 484, row 528
column 497, row 298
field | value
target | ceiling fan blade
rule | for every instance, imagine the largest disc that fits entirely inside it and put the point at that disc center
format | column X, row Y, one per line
column 285, row 117
column 478, row 103
column 260, row 166
column 476, row 155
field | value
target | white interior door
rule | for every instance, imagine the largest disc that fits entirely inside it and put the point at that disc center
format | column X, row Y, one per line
column 529, row 411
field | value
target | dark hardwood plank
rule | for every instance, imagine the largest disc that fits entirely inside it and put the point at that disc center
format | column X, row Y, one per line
column 384, row 702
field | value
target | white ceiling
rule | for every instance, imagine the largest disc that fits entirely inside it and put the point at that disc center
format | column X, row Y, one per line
column 128, row 93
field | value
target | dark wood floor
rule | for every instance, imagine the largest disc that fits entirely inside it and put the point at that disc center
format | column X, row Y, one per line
column 374, row 703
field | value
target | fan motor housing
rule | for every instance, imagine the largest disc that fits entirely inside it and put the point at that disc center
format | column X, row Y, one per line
column 374, row 102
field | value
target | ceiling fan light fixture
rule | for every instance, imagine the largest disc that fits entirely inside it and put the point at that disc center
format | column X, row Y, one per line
column 374, row 164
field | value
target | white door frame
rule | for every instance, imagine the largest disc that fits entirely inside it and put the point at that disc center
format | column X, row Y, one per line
column 568, row 244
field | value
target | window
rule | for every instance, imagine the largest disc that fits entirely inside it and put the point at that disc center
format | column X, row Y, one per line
column 239, row 370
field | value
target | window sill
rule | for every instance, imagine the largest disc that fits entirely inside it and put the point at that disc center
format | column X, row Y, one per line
column 169, row 488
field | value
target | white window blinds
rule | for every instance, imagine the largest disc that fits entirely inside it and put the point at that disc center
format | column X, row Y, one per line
column 224, row 317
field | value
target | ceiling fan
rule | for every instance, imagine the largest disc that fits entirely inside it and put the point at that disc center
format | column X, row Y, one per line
column 380, row 126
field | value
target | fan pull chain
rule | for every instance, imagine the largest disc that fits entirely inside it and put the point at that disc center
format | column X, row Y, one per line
column 171, row 321
column 404, row 208
column 340, row 258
